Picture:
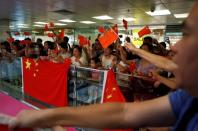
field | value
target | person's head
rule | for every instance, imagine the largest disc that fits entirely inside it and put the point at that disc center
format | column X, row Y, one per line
column 30, row 51
column 51, row 48
column 63, row 47
column 127, row 39
column 163, row 44
column 5, row 47
column 77, row 51
column 170, row 54
column 66, row 39
column 16, row 45
column 39, row 41
column 28, row 40
column 148, row 39
column 108, row 50
column 186, row 54
column 147, row 47
column 41, row 48
column 95, row 62
column 97, row 44
column 46, row 45
column 49, row 45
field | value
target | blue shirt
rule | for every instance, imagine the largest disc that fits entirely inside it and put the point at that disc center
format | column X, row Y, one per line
column 181, row 101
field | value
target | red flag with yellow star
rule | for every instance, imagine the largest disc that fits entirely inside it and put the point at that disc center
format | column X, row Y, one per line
column 46, row 81
column 108, row 38
column 112, row 93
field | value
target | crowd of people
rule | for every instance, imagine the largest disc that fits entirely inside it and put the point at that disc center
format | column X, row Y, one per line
column 179, row 109
column 148, row 64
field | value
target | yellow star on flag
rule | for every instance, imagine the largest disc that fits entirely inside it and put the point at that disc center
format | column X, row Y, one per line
column 109, row 96
column 114, row 89
column 28, row 64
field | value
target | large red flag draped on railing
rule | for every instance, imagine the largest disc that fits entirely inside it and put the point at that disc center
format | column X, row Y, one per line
column 108, row 38
column 112, row 93
column 46, row 81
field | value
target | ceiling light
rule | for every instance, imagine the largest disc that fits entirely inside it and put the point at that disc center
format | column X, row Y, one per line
column 128, row 19
column 67, row 20
column 103, row 17
column 59, row 24
column 87, row 22
column 159, row 12
column 184, row 15
column 22, row 26
column 11, row 26
column 35, row 31
column 39, row 25
column 42, row 23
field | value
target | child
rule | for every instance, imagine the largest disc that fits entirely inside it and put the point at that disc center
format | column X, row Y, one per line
column 95, row 63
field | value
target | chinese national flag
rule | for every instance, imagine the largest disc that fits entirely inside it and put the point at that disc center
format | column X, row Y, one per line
column 125, row 24
column 108, row 38
column 83, row 40
column 46, row 81
column 10, row 40
column 144, row 31
column 26, row 33
column 112, row 93
column 115, row 28
column 51, row 24
column 51, row 35
column 62, row 34
column 101, row 29
column 46, row 27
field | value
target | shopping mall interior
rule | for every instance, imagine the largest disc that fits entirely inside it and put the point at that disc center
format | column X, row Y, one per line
column 91, row 65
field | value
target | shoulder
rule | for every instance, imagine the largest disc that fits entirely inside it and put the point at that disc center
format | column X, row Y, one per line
column 179, row 100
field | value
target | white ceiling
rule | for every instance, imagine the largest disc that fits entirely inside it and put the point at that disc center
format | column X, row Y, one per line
column 14, row 12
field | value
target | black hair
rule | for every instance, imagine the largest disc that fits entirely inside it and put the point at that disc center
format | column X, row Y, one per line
column 66, row 39
column 110, row 47
column 64, row 45
column 163, row 44
column 150, row 47
column 51, row 45
column 28, row 39
column 39, row 40
column 6, row 45
column 128, row 39
column 16, row 43
column 150, row 39
column 96, row 60
column 78, row 48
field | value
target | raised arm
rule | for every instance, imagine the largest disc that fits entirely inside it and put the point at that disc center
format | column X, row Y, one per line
column 157, row 60
column 111, row 115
